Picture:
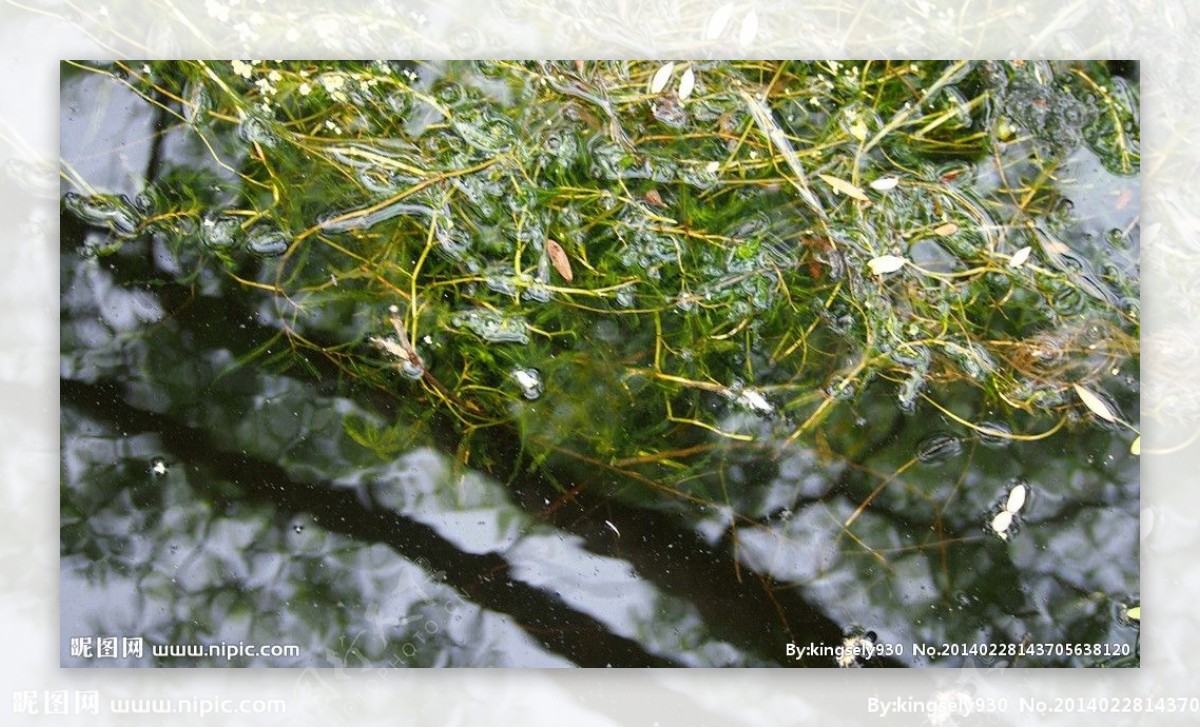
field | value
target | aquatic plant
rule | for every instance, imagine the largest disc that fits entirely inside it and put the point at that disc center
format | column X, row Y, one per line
column 727, row 259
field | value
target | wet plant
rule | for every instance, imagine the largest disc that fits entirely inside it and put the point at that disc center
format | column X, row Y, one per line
column 733, row 259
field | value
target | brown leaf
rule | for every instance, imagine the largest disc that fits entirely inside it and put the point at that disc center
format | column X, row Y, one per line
column 559, row 258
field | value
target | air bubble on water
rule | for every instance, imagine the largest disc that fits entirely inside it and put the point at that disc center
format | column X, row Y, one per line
column 493, row 326
column 539, row 292
column 910, row 390
column 220, row 231
column 412, row 369
column 107, row 211
column 158, row 467
column 530, row 382
column 485, row 131
column 754, row 401
column 268, row 241
column 997, row 434
column 843, row 390
column 340, row 221
column 501, row 280
column 938, row 447
column 197, row 105
column 255, row 129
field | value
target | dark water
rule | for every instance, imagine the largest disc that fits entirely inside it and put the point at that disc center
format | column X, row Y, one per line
column 221, row 487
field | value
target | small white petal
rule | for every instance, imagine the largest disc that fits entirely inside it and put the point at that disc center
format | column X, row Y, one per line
column 524, row 378
column 659, row 82
column 718, row 21
column 844, row 187
column 753, row 400
column 883, row 184
column 1001, row 523
column 749, row 28
column 1016, row 499
column 1098, row 406
column 1020, row 257
column 886, row 264
column 686, row 83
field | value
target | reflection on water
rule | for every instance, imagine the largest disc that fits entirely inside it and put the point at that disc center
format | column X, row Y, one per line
column 245, row 458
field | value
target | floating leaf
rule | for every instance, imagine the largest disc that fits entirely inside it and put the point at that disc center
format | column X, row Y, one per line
column 559, row 258
column 749, row 28
column 883, row 184
column 654, row 198
column 1020, row 257
column 718, row 21
column 661, row 77
column 886, row 264
column 844, row 187
column 1136, row 446
column 686, row 83
column 945, row 229
column 1134, row 613
column 1097, row 405
column 858, row 130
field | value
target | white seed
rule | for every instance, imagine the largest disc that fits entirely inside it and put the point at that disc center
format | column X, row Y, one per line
column 844, row 187
column 886, row 264
column 1001, row 523
column 661, row 77
column 1016, row 499
column 1098, row 406
column 687, row 82
column 718, row 21
column 1020, row 257
column 749, row 29
column 753, row 400
column 883, row 184
column 525, row 379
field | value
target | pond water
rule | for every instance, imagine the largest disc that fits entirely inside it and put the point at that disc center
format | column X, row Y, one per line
column 539, row 365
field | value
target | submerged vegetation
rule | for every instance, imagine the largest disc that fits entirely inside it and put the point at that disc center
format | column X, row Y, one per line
column 745, row 239
column 653, row 274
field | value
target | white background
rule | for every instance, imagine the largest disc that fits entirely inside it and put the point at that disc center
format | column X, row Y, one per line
column 36, row 34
